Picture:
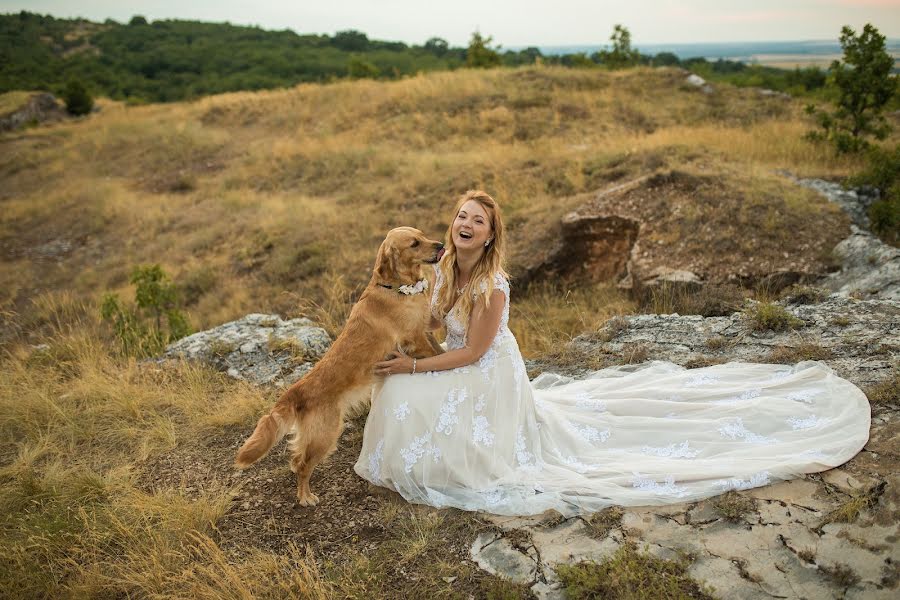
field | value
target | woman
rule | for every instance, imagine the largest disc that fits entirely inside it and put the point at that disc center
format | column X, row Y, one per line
column 467, row 429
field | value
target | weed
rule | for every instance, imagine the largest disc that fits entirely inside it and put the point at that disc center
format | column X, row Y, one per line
column 716, row 342
column 768, row 316
column 886, row 392
column 220, row 348
column 803, row 294
column 840, row 574
column 733, row 506
column 601, row 523
column 804, row 351
column 840, row 321
column 628, row 574
column 634, row 354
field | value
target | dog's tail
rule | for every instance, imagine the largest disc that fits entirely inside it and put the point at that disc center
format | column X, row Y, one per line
column 269, row 431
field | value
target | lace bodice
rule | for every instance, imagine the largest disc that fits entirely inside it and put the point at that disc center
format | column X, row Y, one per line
column 456, row 330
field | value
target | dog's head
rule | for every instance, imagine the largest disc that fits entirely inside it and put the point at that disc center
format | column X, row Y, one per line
column 402, row 254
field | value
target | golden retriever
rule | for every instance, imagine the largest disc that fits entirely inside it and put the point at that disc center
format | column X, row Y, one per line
column 384, row 318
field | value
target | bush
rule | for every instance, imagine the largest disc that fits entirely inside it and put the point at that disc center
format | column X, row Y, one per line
column 480, row 55
column 155, row 322
column 883, row 172
column 78, row 100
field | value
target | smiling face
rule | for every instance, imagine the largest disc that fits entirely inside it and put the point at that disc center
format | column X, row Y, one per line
column 472, row 227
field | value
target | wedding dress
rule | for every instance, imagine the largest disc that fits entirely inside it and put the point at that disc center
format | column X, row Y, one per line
column 482, row 437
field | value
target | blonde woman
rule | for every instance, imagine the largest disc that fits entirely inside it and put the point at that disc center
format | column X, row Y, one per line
column 468, row 429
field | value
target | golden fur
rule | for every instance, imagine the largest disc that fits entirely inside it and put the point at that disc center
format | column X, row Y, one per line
column 383, row 319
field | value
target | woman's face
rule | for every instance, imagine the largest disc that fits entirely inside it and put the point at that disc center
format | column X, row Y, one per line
column 472, row 227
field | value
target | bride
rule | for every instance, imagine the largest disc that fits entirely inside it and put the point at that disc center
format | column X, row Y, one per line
column 467, row 429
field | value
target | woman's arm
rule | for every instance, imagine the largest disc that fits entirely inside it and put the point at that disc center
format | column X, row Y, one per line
column 483, row 327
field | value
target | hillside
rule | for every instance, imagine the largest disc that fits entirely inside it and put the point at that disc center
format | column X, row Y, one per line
column 115, row 476
column 252, row 201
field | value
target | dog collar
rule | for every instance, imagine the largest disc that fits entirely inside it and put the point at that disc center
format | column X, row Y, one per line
column 409, row 290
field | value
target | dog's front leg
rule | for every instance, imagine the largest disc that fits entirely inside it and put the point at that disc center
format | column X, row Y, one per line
column 424, row 345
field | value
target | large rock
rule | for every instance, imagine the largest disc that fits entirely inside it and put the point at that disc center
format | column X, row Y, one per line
column 39, row 108
column 262, row 349
column 592, row 247
column 860, row 339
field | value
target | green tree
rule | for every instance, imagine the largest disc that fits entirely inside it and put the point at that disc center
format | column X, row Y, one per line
column 622, row 54
column 137, row 20
column 864, row 85
column 437, row 46
column 78, row 100
column 156, row 320
column 357, row 68
column 480, row 55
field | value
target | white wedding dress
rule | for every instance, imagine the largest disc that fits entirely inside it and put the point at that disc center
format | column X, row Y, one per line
column 482, row 437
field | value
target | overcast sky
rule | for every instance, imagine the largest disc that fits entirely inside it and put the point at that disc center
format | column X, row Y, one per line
column 512, row 22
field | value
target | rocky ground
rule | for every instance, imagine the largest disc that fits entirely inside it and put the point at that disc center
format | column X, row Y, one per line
column 828, row 535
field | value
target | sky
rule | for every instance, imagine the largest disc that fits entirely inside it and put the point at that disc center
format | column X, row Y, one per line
column 513, row 23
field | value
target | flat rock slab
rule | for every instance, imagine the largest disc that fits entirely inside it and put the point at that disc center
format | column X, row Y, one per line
column 262, row 349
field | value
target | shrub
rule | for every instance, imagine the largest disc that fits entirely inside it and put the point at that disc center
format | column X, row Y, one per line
column 765, row 316
column 78, row 100
column 480, row 55
column 155, row 321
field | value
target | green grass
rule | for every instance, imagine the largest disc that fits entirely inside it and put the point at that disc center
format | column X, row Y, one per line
column 631, row 574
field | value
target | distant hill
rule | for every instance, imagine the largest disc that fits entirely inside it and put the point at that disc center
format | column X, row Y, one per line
column 174, row 60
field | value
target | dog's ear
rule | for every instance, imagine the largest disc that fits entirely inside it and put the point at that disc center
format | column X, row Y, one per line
column 386, row 263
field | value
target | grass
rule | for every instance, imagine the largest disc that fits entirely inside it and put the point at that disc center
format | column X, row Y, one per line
column 793, row 354
column 13, row 101
column 630, row 574
column 768, row 316
column 601, row 523
column 733, row 506
column 886, row 392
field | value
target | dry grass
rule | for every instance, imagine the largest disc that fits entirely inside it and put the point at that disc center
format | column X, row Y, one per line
column 792, row 354
column 733, row 506
column 768, row 316
column 606, row 520
column 12, row 101
column 887, row 392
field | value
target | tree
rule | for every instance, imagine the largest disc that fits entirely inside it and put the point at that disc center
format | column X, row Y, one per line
column 351, row 40
column 622, row 54
column 864, row 86
column 78, row 100
column 137, row 20
column 437, row 46
column 666, row 59
column 358, row 68
column 480, row 55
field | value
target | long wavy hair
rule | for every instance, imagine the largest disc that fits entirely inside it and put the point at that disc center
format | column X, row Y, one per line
column 491, row 263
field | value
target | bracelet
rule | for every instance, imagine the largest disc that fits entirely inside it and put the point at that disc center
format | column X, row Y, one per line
column 414, row 367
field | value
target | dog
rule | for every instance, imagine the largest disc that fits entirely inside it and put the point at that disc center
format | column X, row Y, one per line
column 392, row 312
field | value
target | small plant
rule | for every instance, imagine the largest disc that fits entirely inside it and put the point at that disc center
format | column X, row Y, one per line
column 840, row 574
column 768, row 316
column 840, row 321
column 804, row 294
column 603, row 522
column 732, row 506
column 805, row 351
column 634, row 354
column 716, row 342
column 630, row 573
column 220, row 348
column 885, row 392
column 155, row 321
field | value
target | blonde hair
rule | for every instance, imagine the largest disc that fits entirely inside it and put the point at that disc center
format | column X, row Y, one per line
column 490, row 263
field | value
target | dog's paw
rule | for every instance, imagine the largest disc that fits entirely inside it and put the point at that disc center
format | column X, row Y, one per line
column 308, row 500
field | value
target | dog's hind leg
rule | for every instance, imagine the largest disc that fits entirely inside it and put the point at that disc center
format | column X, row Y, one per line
column 322, row 441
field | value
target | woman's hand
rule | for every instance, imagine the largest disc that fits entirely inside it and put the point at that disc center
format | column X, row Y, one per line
column 397, row 362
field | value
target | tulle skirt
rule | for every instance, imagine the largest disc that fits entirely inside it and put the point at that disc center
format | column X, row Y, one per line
column 484, row 437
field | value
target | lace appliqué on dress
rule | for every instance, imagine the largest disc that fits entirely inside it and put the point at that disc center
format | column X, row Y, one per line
column 401, row 411
column 736, row 430
column 448, row 417
column 736, row 483
column 807, row 423
column 375, row 459
column 666, row 488
column 682, row 450
column 419, row 447
column 523, row 456
column 481, row 433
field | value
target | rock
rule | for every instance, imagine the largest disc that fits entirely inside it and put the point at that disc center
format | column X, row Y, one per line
column 861, row 337
column 262, row 349
column 39, row 108
column 870, row 268
column 698, row 82
column 774, row 94
column 593, row 247
column 496, row 555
